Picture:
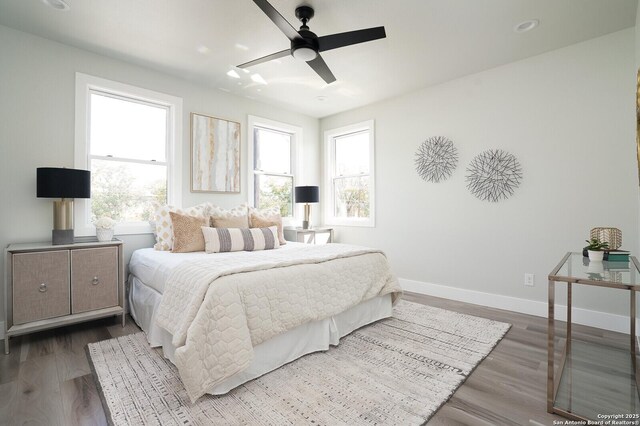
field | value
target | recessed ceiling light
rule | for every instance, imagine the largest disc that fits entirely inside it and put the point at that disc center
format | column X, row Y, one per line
column 258, row 78
column 525, row 26
column 56, row 4
column 233, row 73
column 202, row 49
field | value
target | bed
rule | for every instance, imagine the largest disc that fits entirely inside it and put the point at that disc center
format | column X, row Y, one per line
column 156, row 276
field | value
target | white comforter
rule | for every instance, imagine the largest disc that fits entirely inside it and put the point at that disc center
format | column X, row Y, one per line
column 257, row 296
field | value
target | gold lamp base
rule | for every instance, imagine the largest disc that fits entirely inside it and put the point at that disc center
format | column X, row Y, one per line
column 307, row 211
column 62, row 222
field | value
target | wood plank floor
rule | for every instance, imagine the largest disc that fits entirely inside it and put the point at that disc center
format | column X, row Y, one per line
column 46, row 379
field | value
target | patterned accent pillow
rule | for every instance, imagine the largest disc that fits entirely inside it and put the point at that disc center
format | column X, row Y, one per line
column 241, row 210
column 219, row 240
column 187, row 232
column 266, row 222
column 164, row 228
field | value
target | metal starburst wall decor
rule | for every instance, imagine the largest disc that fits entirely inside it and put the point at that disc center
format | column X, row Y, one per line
column 493, row 175
column 436, row 159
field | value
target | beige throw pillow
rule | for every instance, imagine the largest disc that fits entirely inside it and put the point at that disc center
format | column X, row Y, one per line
column 259, row 221
column 230, row 221
column 187, row 232
column 163, row 226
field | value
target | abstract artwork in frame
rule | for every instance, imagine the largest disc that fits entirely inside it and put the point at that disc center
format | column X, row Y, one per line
column 215, row 154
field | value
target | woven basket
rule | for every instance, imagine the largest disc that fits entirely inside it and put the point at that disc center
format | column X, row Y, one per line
column 613, row 236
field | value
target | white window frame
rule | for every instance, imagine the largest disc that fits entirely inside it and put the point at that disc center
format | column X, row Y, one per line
column 329, row 170
column 85, row 85
column 296, row 155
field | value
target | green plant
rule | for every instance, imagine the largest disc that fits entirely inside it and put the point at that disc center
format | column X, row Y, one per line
column 596, row 245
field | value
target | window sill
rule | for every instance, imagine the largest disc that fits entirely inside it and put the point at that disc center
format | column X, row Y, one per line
column 129, row 229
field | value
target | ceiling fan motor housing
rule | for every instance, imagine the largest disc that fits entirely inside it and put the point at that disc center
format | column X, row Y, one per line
column 308, row 40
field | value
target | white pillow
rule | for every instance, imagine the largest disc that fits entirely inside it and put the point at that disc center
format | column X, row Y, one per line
column 163, row 226
column 219, row 240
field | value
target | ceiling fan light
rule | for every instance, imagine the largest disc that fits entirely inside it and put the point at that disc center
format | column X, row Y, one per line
column 305, row 54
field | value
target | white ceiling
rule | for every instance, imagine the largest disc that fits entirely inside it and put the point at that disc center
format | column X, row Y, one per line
column 428, row 41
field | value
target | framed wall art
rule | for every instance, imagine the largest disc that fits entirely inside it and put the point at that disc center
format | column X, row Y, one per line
column 215, row 154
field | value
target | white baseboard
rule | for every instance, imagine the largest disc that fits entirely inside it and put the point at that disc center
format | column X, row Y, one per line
column 597, row 319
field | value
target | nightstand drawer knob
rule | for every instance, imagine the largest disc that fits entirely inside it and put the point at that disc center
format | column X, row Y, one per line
column 95, row 281
column 43, row 287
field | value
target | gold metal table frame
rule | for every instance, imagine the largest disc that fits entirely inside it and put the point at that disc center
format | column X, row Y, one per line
column 578, row 277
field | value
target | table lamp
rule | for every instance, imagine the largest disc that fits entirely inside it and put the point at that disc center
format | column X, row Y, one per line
column 307, row 194
column 66, row 184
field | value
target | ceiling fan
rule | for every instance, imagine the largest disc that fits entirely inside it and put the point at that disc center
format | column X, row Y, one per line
column 305, row 45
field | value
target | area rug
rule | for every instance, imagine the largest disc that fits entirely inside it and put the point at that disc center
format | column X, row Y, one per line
column 398, row 371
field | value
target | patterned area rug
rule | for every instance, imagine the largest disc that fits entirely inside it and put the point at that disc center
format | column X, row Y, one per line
column 397, row 371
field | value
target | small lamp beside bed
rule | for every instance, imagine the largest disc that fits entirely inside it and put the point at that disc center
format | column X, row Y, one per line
column 307, row 194
column 66, row 184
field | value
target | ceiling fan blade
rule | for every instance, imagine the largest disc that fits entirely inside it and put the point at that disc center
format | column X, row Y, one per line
column 278, row 19
column 320, row 66
column 334, row 41
column 267, row 58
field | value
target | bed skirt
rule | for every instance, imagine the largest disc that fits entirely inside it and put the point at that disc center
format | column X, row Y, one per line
column 271, row 354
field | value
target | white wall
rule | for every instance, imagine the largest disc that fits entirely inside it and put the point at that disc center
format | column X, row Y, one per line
column 37, row 93
column 567, row 115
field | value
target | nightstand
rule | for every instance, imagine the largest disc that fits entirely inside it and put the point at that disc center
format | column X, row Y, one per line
column 50, row 286
column 319, row 235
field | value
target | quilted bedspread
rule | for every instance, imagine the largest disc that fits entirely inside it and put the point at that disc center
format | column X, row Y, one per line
column 218, row 309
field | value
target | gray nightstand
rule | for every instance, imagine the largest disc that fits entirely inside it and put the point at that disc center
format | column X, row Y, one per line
column 51, row 286
column 320, row 235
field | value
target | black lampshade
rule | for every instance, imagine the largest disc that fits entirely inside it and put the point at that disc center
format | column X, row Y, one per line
column 307, row 194
column 54, row 182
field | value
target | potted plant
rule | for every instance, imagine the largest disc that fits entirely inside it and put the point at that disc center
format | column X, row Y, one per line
column 104, row 228
column 596, row 249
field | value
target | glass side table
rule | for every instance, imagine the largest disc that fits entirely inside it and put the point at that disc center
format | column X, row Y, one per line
column 593, row 380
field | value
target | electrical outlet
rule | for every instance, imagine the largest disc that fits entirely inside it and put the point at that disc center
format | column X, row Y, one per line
column 529, row 280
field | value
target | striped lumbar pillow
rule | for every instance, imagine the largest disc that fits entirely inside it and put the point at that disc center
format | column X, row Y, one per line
column 217, row 240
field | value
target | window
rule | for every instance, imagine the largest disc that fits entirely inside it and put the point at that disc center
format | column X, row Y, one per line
column 127, row 137
column 272, row 154
column 349, row 186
